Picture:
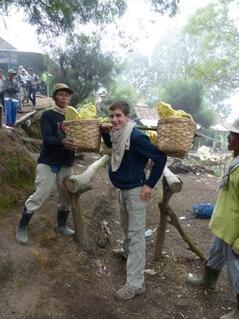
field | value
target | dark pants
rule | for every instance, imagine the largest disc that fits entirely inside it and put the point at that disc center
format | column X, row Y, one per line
column 32, row 96
column 2, row 98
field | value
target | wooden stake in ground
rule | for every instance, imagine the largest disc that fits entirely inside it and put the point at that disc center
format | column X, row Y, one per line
column 171, row 184
column 77, row 185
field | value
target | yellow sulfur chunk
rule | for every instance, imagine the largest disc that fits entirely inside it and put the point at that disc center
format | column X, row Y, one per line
column 182, row 113
column 152, row 136
column 71, row 114
column 87, row 112
column 103, row 119
column 166, row 111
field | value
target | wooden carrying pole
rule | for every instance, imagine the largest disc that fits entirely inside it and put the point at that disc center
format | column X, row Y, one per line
column 77, row 185
column 28, row 116
column 171, row 184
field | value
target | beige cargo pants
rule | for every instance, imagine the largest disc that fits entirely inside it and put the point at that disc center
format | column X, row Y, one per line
column 44, row 183
column 133, row 220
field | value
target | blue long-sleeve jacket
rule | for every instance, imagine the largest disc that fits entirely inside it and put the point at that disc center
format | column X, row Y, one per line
column 53, row 152
column 131, row 172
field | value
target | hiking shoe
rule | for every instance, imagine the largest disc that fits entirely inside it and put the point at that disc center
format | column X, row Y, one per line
column 21, row 235
column 64, row 230
column 120, row 253
column 126, row 293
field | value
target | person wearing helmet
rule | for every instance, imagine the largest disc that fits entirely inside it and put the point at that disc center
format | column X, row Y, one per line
column 11, row 102
column 224, row 225
column 53, row 166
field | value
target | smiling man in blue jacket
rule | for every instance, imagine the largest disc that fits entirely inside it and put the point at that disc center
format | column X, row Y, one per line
column 131, row 150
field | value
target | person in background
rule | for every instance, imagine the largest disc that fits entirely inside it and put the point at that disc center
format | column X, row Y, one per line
column 10, row 90
column 33, row 84
column 131, row 150
column 53, row 166
column 225, row 226
column 20, row 93
column 2, row 78
column 23, row 78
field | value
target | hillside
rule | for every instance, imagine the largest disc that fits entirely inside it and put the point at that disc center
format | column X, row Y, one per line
column 52, row 278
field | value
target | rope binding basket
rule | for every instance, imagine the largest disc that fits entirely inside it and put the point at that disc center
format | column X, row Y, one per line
column 175, row 136
column 84, row 133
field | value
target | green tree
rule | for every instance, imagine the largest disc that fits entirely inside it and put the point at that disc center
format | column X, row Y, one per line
column 188, row 95
column 169, row 61
column 136, row 70
column 215, row 28
column 119, row 91
column 59, row 16
column 83, row 66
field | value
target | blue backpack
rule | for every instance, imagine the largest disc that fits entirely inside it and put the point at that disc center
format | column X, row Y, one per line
column 204, row 210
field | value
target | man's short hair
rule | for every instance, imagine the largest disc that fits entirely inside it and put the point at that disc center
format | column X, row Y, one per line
column 120, row 105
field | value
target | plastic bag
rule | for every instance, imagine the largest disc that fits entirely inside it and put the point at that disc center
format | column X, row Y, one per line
column 203, row 210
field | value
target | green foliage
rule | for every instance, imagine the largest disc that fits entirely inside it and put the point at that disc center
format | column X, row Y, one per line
column 215, row 28
column 136, row 69
column 57, row 16
column 188, row 95
column 168, row 5
column 119, row 91
column 83, row 66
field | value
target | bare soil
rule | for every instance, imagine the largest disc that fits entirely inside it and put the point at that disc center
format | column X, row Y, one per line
column 52, row 278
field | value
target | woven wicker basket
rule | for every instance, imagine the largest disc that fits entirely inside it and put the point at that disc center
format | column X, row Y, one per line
column 175, row 136
column 84, row 133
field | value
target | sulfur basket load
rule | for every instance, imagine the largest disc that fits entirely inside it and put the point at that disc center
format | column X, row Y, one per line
column 84, row 133
column 175, row 131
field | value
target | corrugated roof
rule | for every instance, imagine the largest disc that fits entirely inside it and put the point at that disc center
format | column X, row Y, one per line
column 146, row 113
column 4, row 45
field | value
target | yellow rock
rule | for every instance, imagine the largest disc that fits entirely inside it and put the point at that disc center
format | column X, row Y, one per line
column 71, row 114
column 87, row 111
column 166, row 111
column 152, row 136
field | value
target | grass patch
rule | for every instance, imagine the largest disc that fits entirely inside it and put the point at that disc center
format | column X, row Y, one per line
column 17, row 171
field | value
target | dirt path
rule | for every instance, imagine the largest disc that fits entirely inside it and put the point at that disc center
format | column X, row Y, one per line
column 41, row 101
column 51, row 278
